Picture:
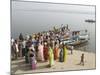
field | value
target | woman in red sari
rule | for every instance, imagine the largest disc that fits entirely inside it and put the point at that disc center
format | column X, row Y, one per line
column 56, row 51
column 45, row 51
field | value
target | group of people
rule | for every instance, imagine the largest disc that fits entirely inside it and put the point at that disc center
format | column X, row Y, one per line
column 44, row 46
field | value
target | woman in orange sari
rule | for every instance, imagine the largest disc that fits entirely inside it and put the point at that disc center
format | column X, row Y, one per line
column 56, row 51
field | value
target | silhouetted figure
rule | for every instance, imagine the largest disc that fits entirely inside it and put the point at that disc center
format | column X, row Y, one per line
column 67, row 26
column 21, row 37
column 61, row 59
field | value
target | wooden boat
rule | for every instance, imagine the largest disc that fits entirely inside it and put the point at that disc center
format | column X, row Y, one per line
column 84, row 37
column 75, row 43
column 90, row 21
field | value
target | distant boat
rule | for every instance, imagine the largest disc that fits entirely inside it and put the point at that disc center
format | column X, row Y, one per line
column 90, row 21
column 84, row 37
column 76, row 43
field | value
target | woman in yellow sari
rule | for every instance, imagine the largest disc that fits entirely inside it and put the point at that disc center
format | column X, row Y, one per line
column 65, row 53
column 51, row 57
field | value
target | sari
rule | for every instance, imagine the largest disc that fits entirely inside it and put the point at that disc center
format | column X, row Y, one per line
column 61, row 55
column 55, row 53
column 45, row 52
column 40, row 53
column 65, row 54
column 51, row 57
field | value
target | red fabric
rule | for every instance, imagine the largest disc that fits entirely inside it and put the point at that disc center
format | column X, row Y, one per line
column 55, row 53
column 45, row 52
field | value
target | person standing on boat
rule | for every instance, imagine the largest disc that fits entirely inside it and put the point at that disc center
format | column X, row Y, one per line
column 21, row 37
column 51, row 56
column 40, row 52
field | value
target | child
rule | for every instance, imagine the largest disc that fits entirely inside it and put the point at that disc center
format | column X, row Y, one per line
column 82, row 59
column 72, row 49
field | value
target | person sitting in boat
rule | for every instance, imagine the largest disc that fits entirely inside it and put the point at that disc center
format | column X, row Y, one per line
column 75, row 35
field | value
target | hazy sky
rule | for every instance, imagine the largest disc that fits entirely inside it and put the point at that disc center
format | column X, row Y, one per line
column 31, row 6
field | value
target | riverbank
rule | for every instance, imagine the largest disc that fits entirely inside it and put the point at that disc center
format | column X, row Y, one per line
column 19, row 66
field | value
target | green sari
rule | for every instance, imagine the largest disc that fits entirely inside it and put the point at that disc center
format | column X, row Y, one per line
column 65, row 54
column 51, row 57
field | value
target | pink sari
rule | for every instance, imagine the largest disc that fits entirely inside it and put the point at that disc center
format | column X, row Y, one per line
column 40, row 53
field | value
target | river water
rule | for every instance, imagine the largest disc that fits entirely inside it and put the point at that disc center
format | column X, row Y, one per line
column 31, row 17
